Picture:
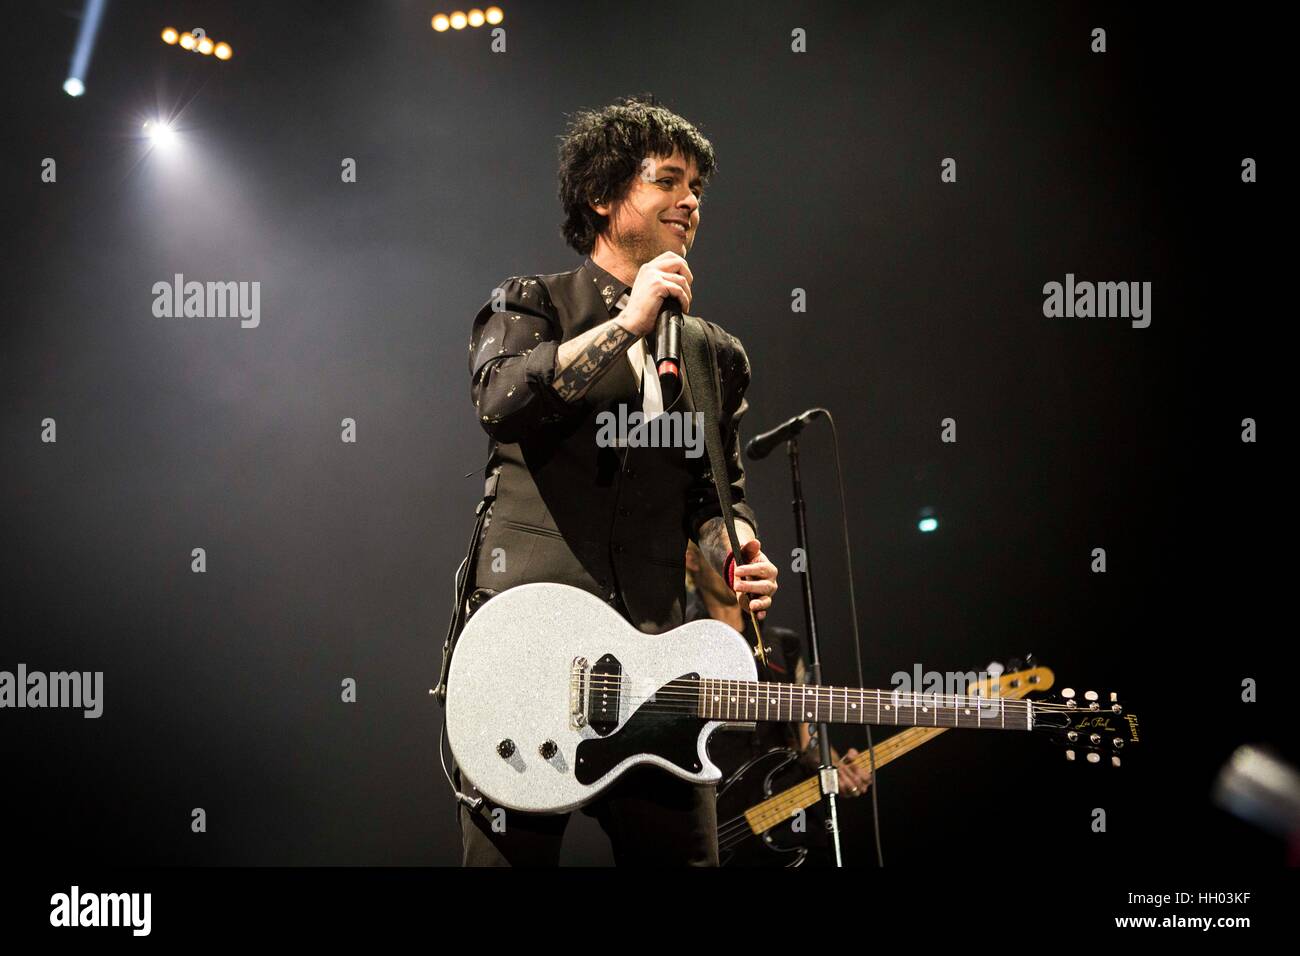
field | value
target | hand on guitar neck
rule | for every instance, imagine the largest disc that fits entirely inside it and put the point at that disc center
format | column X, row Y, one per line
column 855, row 778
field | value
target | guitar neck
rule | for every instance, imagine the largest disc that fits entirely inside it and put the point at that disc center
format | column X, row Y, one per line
column 761, row 702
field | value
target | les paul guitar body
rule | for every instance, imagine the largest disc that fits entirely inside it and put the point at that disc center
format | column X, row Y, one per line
column 552, row 696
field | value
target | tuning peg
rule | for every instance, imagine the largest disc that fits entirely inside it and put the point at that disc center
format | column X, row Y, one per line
column 1114, row 761
column 1117, row 743
column 1069, row 755
column 1089, row 695
column 1067, row 693
column 1094, row 757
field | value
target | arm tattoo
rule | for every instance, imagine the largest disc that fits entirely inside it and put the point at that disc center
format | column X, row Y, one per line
column 573, row 381
column 714, row 544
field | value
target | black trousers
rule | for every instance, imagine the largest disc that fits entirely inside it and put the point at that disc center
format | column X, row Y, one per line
column 651, row 818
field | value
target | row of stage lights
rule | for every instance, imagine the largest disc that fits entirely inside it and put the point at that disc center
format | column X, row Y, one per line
column 188, row 41
column 475, row 18
column 200, row 43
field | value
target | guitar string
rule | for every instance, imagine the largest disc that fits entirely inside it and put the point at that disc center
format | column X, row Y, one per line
column 802, row 690
column 692, row 703
column 789, row 715
column 818, row 691
column 677, row 689
column 782, row 693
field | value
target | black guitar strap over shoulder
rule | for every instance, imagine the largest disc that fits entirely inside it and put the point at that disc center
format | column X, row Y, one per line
column 701, row 360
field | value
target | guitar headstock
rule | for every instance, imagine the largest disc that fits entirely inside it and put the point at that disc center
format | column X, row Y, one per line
column 1093, row 730
column 1014, row 685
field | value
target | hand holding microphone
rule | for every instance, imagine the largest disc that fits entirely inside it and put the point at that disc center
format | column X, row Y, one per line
column 667, row 276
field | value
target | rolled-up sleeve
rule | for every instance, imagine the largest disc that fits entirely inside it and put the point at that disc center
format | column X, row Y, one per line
column 512, row 362
column 703, row 504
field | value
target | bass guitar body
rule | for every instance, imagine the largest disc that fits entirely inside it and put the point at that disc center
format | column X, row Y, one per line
column 784, row 844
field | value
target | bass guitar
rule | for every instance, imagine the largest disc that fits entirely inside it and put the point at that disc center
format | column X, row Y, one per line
column 762, row 806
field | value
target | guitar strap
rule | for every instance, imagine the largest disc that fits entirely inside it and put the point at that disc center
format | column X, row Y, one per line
column 464, row 579
column 701, row 361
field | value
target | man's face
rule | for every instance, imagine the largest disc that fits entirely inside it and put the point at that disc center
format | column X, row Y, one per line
column 662, row 210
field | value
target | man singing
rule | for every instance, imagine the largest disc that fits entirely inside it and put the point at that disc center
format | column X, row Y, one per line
column 549, row 354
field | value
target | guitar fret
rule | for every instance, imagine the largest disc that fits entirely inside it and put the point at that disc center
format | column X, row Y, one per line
column 739, row 701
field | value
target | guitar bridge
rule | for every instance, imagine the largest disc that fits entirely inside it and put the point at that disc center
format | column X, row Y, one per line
column 578, row 693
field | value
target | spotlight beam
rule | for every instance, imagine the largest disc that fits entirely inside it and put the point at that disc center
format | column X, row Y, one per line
column 86, row 36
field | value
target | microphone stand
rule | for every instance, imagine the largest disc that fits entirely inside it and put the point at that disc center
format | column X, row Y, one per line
column 828, row 775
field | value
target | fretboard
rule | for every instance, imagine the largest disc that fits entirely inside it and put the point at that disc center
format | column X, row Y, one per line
column 746, row 701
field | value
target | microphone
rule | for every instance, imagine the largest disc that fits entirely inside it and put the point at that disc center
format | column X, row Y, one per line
column 668, row 348
column 760, row 446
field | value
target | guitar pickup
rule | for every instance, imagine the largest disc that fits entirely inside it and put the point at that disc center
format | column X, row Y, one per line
column 604, row 694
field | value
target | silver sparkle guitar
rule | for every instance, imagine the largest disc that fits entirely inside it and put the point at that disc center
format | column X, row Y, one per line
column 552, row 696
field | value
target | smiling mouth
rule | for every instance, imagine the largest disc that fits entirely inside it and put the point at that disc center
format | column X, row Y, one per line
column 676, row 227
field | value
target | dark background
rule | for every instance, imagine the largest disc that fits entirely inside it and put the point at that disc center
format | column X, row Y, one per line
column 329, row 560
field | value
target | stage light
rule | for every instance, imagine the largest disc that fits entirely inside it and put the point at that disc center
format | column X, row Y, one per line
column 458, row 21
column 494, row 15
column 476, row 18
column 203, row 45
column 75, row 84
column 441, row 23
column 160, row 134
column 927, row 521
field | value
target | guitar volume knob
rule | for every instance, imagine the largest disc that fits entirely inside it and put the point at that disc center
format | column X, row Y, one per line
column 506, row 749
column 548, row 749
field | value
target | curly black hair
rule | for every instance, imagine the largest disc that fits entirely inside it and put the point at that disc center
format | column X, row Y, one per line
column 602, row 150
